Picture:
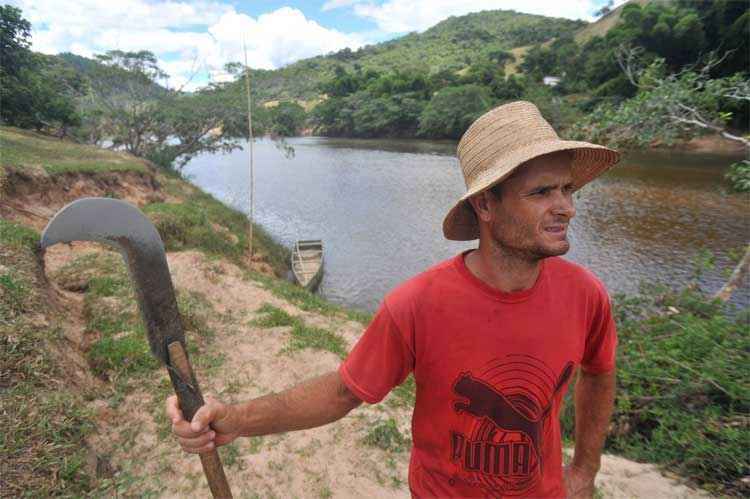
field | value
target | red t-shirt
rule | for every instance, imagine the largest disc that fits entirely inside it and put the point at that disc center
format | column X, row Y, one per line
column 491, row 369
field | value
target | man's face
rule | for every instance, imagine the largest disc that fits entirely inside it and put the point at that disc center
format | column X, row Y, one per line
column 535, row 206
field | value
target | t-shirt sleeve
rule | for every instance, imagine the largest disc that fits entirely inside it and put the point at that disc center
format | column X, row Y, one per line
column 381, row 359
column 601, row 341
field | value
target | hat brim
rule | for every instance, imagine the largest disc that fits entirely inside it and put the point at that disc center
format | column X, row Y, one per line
column 589, row 161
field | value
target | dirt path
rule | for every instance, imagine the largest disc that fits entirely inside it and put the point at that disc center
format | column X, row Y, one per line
column 245, row 361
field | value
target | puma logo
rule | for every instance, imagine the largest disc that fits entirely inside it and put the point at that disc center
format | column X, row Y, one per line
column 484, row 401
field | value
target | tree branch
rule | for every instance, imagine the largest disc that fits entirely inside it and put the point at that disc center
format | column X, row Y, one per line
column 735, row 280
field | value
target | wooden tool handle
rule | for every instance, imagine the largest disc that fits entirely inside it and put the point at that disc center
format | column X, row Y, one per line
column 190, row 399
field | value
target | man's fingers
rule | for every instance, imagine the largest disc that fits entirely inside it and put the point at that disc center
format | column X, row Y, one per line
column 205, row 415
column 196, row 436
column 183, row 429
column 173, row 409
column 197, row 442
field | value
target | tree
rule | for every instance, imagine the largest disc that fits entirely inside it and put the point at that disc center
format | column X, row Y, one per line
column 287, row 119
column 510, row 88
column 123, row 100
column 539, row 62
column 451, row 110
column 483, row 72
column 15, row 34
column 681, row 104
column 606, row 9
column 671, row 106
column 128, row 107
column 184, row 125
column 333, row 117
column 36, row 91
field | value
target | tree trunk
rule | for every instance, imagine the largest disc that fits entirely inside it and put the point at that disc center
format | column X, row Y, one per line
column 736, row 279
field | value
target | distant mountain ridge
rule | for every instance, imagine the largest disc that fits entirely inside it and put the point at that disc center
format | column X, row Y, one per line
column 452, row 44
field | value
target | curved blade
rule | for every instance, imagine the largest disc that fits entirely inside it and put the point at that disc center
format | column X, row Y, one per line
column 123, row 226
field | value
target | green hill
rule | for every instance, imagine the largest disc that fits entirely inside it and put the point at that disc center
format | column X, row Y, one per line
column 452, row 44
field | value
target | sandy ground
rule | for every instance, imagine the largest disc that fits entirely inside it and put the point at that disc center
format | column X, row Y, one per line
column 330, row 461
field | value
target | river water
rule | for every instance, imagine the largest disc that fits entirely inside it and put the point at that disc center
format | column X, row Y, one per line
column 378, row 205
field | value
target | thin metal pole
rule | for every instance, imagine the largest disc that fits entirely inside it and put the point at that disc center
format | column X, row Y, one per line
column 250, row 150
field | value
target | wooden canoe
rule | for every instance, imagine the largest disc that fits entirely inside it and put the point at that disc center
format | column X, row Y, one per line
column 307, row 263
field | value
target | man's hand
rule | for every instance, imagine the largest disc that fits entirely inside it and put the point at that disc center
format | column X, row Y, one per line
column 197, row 436
column 579, row 483
column 315, row 402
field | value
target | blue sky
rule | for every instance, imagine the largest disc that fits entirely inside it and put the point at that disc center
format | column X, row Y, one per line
column 194, row 39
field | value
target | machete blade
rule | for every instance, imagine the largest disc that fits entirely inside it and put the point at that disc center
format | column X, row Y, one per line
column 123, row 226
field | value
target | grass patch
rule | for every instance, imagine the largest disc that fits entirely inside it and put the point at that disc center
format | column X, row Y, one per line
column 683, row 386
column 45, row 453
column 273, row 317
column 318, row 339
column 195, row 310
column 111, row 313
column 230, row 455
column 255, row 444
column 102, row 273
column 24, row 149
column 306, row 300
column 385, row 435
column 14, row 292
column 15, row 236
column 125, row 355
column 43, row 450
column 204, row 223
column 303, row 336
column 405, row 394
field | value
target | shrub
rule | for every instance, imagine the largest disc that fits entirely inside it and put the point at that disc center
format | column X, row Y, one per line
column 739, row 176
column 682, row 397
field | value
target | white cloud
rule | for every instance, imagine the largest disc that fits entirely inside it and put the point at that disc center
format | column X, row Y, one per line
column 186, row 36
column 279, row 37
column 337, row 4
column 398, row 16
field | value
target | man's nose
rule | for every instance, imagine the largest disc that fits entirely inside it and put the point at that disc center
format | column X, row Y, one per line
column 564, row 205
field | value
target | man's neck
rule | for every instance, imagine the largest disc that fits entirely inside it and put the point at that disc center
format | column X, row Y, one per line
column 502, row 269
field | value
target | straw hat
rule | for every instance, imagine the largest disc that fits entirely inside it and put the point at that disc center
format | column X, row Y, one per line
column 503, row 139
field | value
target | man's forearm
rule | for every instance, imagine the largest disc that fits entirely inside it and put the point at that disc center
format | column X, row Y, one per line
column 312, row 403
column 594, row 401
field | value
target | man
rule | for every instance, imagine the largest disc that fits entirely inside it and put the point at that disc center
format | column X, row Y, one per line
column 492, row 335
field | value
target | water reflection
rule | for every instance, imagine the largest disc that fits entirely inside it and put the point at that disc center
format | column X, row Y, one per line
column 378, row 205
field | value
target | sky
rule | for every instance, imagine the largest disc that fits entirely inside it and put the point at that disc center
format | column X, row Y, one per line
column 194, row 39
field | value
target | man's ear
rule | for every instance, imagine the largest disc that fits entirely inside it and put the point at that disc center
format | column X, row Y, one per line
column 480, row 203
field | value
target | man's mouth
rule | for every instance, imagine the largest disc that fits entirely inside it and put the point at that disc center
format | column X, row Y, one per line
column 556, row 229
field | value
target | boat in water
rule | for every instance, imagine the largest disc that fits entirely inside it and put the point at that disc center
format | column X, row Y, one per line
column 307, row 263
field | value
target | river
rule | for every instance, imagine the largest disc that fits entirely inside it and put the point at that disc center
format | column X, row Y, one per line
column 378, row 205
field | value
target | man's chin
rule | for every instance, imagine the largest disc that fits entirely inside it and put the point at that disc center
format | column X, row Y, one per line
column 558, row 249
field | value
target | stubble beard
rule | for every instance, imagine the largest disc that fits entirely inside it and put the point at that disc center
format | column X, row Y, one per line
column 510, row 239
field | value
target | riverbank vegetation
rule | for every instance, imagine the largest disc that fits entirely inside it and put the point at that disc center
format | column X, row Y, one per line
column 682, row 396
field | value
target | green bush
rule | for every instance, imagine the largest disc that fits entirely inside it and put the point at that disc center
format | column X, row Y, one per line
column 739, row 176
column 683, row 388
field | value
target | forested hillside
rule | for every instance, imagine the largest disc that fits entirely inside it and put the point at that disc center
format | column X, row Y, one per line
column 450, row 45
